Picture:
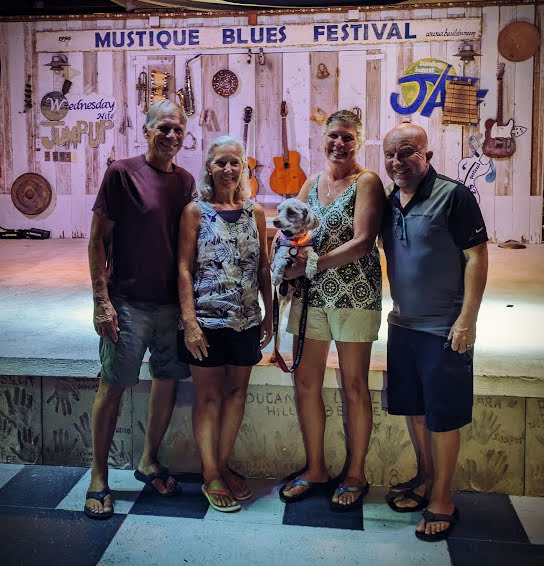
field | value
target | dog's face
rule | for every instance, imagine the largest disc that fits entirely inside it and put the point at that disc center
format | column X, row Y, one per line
column 295, row 218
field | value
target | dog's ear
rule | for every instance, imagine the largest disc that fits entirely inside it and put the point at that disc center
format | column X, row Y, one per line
column 305, row 213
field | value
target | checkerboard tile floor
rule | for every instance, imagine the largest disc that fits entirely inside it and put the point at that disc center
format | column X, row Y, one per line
column 42, row 522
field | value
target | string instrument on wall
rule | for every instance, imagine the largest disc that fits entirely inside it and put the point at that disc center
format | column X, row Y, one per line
column 477, row 165
column 287, row 177
column 251, row 161
column 499, row 140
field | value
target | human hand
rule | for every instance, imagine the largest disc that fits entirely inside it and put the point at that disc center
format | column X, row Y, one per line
column 298, row 265
column 84, row 429
column 105, row 319
column 196, row 341
column 20, row 406
column 62, row 393
column 462, row 335
column 267, row 331
column 29, row 448
column 485, row 427
column 119, row 457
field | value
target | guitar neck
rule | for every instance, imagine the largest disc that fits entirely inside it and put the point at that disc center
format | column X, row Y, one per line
column 499, row 103
column 284, row 139
column 246, row 125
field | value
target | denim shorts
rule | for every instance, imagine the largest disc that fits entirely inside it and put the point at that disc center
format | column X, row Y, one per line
column 142, row 326
column 228, row 347
column 426, row 378
column 340, row 325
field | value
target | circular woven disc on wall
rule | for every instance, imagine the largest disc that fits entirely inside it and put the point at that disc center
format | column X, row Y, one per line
column 225, row 82
column 31, row 193
column 518, row 41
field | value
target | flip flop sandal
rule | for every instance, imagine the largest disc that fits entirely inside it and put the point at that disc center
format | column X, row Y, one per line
column 240, row 476
column 421, row 501
column 99, row 496
column 356, row 504
column 162, row 474
column 429, row 517
column 314, row 488
column 227, row 493
column 399, row 488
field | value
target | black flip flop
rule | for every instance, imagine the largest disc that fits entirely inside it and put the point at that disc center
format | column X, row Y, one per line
column 99, row 496
column 356, row 504
column 421, row 501
column 162, row 474
column 429, row 517
column 314, row 488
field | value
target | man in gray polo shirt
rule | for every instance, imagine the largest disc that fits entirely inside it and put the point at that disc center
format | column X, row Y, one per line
column 435, row 243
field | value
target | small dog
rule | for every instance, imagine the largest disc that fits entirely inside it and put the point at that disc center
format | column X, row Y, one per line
column 295, row 222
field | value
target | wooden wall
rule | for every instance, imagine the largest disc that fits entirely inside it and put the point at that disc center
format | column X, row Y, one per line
column 511, row 204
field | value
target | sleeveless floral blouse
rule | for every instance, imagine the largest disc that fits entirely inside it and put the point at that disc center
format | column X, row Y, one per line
column 355, row 285
column 225, row 272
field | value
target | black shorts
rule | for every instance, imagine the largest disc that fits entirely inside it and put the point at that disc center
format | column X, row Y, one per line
column 227, row 347
column 424, row 378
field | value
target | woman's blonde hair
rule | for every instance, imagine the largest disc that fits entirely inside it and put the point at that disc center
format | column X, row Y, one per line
column 206, row 187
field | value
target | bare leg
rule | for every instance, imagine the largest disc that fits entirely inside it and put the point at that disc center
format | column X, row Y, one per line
column 159, row 412
column 234, row 402
column 421, row 439
column 354, row 359
column 105, row 410
column 445, row 450
column 207, row 409
column 311, row 412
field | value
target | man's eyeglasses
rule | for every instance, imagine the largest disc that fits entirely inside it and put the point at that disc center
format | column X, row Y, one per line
column 400, row 227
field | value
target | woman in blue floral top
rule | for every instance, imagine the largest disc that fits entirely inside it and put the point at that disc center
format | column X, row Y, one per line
column 223, row 264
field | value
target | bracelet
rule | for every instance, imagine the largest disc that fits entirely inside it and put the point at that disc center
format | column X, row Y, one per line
column 311, row 265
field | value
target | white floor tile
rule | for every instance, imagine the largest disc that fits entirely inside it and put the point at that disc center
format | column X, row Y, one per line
column 530, row 511
column 125, row 486
column 7, row 471
column 171, row 541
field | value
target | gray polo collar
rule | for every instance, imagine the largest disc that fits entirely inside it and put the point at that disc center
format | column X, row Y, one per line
column 423, row 191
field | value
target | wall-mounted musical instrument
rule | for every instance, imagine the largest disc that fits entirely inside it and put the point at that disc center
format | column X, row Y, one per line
column 159, row 86
column 287, row 177
column 225, row 83
column 477, row 165
column 186, row 95
column 251, row 161
column 499, row 141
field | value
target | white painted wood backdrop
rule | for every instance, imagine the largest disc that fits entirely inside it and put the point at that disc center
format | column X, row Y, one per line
column 512, row 204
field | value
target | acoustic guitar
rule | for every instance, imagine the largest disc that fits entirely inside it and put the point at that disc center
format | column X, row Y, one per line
column 499, row 140
column 287, row 177
column 251, row 161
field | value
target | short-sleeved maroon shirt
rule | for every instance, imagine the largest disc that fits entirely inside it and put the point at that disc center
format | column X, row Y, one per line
column 145, row 204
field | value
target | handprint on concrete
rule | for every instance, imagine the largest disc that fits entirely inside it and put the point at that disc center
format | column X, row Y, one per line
column 29, row 446
column 6, row 426
column 119, row 457
column 391, row 445
column 20, row 405
column 540, row 438
column 491, row 471
column 84, row 429
column 484, row 427
column 63, row 446
column 63, row 393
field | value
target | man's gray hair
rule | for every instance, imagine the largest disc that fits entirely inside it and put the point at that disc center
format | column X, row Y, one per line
column 163, row 106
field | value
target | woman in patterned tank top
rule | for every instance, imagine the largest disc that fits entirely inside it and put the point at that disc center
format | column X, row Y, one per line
column 344, row 305
column 223, row 264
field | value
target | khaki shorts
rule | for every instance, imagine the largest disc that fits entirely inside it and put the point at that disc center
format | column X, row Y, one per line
column 340, row 325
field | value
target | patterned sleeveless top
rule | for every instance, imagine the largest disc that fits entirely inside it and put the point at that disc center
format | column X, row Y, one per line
column 225, row 271
column 355, row 285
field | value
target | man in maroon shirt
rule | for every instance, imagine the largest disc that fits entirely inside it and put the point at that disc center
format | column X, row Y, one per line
column 133, row 265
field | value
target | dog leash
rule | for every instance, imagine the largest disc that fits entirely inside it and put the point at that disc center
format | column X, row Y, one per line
column 301, row 326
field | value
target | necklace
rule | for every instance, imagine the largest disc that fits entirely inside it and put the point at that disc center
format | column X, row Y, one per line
column 329, row 188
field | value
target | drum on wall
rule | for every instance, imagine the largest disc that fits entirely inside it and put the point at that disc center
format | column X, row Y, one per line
column 31, row 193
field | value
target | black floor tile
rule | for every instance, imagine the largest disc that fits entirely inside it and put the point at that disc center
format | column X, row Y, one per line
column 315, row 512
column 487, row 516
column 40, row 486
column 53, row 536
column 475, row 553
column 190, row 503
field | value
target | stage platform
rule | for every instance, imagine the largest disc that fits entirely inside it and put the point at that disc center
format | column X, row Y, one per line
column 47, row 334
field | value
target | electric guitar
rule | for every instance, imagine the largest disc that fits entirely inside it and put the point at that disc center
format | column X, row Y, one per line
column 499, row 141
column 477, row 165
column 287, row 177
column 251, row 161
